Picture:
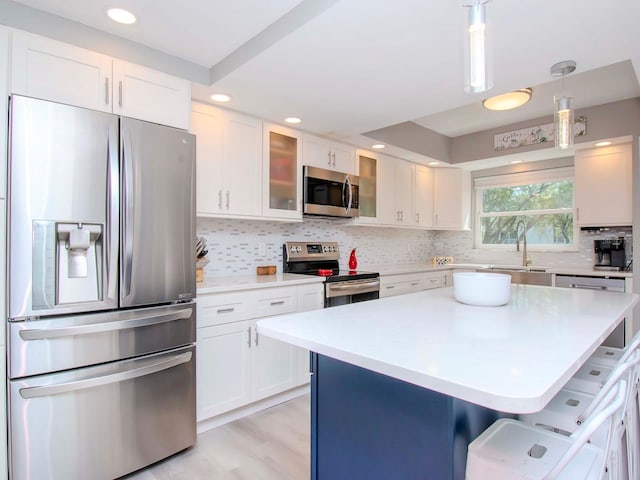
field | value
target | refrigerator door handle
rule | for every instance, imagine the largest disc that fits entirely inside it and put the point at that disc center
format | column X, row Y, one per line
column 127, row 198
column 113, row 206
column 142, row 321
column 48, row 390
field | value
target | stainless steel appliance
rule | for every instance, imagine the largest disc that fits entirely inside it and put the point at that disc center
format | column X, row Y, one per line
column 611, row 284
column 101, row 281
column 329, row 194
column 610, row 254
column 322, row 258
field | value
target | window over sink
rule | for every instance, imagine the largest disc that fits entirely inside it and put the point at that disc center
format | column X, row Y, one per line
column 543, row 199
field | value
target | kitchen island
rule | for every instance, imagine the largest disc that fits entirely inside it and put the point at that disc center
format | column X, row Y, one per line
column 401, row 385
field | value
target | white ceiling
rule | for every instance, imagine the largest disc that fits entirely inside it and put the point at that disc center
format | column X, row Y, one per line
column 361, row 65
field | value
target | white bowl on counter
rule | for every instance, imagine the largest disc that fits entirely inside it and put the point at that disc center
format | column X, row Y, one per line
column 482, row 289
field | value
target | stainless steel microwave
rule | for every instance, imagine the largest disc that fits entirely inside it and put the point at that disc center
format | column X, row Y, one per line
column 329, row 194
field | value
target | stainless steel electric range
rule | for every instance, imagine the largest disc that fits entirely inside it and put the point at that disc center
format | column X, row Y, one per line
column 322, row 258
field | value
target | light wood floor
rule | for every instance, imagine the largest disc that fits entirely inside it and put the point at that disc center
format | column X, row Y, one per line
column 270, row 445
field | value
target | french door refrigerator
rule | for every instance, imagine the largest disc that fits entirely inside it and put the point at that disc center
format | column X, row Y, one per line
column 101, row 288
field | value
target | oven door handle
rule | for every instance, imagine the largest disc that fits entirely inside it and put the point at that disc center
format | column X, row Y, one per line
column 351, row 289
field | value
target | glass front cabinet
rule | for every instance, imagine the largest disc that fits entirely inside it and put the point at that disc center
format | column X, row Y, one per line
column 368, row 174
column 282, row 173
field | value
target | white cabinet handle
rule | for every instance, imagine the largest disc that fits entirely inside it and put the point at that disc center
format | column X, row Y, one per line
column 226, row 310
column 256, row 337
column 278, row 302
column 120, row 93
column 227, row 199
column 249, row 337
column 577, row 213
column 220, row 199
column 106, row 90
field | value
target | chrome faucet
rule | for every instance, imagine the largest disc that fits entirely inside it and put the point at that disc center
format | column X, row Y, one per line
column 525, row 258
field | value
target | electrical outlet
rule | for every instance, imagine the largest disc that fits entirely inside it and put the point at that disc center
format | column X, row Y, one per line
column 262, row 249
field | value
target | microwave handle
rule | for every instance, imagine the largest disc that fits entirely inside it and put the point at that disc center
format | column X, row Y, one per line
column 347, row 186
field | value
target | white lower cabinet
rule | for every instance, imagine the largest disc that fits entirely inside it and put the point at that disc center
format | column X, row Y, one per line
column 400, row 284
column 236, row 366
column 223, row 368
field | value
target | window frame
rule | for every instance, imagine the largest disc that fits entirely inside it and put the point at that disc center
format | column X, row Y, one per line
column 481, row 183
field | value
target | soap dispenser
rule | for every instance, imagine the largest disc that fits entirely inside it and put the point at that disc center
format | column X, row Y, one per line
column 353, row 261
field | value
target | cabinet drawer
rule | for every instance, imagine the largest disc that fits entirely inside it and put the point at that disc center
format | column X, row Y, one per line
column 219, row 309
column 274, row 302
column 433, row 281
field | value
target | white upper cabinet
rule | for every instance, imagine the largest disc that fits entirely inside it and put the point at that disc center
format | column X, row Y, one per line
column 603, row 186
column 423, row 196
column 404, row 193
column 149, row 95
column 56, row 71
column 52, row 70
column 387, row 213
column 451, row 199
column 282, row 168
column 229, row 162
column 323, row 153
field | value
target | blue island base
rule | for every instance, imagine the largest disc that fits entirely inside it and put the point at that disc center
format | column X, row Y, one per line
column 365, row 425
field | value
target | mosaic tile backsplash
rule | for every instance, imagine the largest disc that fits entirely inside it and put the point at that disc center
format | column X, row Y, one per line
column 234, row 245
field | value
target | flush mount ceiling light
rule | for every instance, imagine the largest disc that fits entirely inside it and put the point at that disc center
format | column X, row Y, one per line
column 509, row 100
column 563, row 107
column 378, row 146
column 477, row 50
column 603, row 144
column 221, row 97
column 293, row 120
column 433, row 163
column 121, row 16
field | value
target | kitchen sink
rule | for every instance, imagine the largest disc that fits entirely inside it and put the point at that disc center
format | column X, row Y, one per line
column 523, row 275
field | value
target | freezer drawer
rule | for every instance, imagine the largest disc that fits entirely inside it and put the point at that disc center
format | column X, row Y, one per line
column 61, row 343
column 105, row 421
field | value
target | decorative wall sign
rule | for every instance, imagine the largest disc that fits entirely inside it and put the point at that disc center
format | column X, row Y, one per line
column 533, row 135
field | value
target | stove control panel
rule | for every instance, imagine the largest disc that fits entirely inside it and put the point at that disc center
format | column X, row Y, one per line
column 304, row 251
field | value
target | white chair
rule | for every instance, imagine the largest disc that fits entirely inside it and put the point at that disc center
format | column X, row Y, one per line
column 510, row 449
column 568, row 409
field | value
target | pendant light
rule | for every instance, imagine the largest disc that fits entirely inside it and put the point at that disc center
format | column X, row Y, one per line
column 477, row 51
column 563, row 121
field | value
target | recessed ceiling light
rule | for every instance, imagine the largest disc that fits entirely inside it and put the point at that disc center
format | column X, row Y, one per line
column 377, row 146
column 293, row 120
column 121, row 16
column 221, row 97
column 508, row 101
column 433, row 163
column 603, row 144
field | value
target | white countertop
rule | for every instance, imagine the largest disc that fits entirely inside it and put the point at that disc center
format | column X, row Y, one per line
column 512, row 358
column 249, row 282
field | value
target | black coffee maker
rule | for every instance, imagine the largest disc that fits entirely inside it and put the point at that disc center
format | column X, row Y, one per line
column 610, row 254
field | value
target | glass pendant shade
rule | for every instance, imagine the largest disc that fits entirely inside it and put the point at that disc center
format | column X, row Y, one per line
column 477, row 51
column 563, row 122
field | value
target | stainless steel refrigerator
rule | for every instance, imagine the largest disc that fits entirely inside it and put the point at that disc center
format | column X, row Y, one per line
column 101, row 288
